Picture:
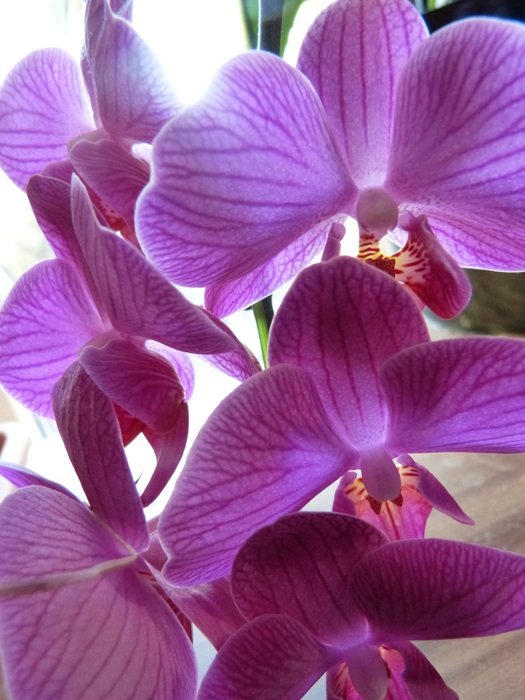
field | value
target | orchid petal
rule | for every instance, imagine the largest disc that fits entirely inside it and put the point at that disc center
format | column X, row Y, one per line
column 459, row 142
column 169, row 449
column 181, row 363
column 21, row 477
column 354, row 54
column 368, row 671
column 439, row 589
column 266, row 450
column 430, row 272
column 438, row 496
column 150, row 307
column 239, row 363
column 42, row 107
column 50, row 199
column 209, row 606
column 273, row 657
column 241, row 175
column 464, row 394
column 141, row 382
column 88, row 426
column 300, row 567
column 340, row 321
column 134, row 97
column 109, row 634
column 421, row 678
column 45, row 320
column 224, row 298
column 114, row 174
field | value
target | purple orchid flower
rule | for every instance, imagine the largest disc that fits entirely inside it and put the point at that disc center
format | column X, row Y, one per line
column 422, row 134
column 46, row 116
column 80, row 615
column 101, row 304
column 322, row 589
column 404, row 517
column 353, row 383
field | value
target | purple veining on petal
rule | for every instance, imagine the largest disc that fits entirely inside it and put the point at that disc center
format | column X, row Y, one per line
column 459, row 142
column 354, row 54
column 42, row 107
column 241, row 175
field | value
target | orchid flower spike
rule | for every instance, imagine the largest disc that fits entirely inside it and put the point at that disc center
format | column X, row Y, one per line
column 328, row 592
column 80, row 614
column 417, row 138
column 353, row 383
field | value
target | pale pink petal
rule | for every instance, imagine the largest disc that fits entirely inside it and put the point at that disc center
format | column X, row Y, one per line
column 340, row 321
column 464, row 395
column 459, row 140
column 439, row 589
column 241, row 175
column 88, row 425
column 300, row 566
column 138, row 300
column 142, row 383
column 266, row 450
column 354, row 54
column 273, row 657
column 42, row 107
column 107, row 635
column 224, row 298
column 134, row 97
column 44, row 322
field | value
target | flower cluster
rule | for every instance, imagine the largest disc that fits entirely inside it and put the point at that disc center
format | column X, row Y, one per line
column 420, row 140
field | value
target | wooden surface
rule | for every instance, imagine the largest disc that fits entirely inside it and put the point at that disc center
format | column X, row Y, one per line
column 490, row 489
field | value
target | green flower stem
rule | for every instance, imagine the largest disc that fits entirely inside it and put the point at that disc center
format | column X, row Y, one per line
column 263, row 312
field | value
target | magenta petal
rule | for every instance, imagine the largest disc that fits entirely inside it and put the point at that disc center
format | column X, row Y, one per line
column 50, row 199
column 88, row 425
column 169, row 448
column 44, row 322
column 439, row 589
column 109, row 634
column 421, row 678
column 224, row 298
column 239, row 363
column 300, row 566
column 21, row 477
column 459, row 143
column 241, row 175
column 42, row 107
column 430, row 272
column 209, row 606
column 273, row 657
column 114, row 174
column 134, row 97
column 340, row 321
column 149, row 307
column 354, row 54
column 140, row 381
column 266, row 450
column 457, row 395
column 438, row 496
